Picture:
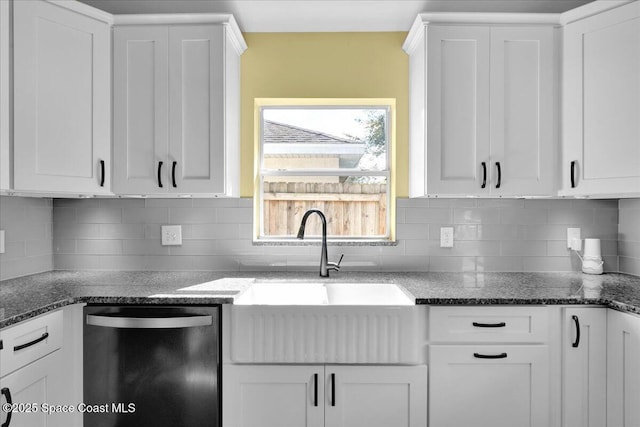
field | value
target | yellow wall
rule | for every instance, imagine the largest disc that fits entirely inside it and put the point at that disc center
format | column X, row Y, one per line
column 325, row 65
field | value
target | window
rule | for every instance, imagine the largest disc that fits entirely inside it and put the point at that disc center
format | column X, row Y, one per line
column 332, row 155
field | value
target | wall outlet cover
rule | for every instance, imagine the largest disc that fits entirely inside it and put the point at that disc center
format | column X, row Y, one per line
column 446, row 237
column 171, row 235
column 572, row 234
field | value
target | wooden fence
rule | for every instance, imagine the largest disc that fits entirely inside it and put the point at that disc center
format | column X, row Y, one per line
column 351, row 209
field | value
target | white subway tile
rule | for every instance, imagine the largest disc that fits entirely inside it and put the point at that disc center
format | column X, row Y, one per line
column 452, row 264
column 523, row 248
column 168, row 203
column 476, row 216
column 99, row 215
column 235, row 215
column 523, row 216
column 193, row 215
column 428, row 215
column 499, row 264
column 121, row 231
column 144, row 247
column 39, row 247
column 145, row 215
column 98, row 247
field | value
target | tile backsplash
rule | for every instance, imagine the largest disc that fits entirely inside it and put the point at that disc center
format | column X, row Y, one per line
column 629, row 236
column 27, row 223
column 490, row 235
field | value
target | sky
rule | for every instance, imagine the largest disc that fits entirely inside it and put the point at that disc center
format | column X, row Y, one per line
column 337, row 122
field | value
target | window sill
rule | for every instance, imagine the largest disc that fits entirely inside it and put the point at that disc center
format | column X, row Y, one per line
column 330, row 242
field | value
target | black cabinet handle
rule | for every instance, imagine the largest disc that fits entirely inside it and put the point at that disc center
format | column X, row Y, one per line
column 101, row 173
column 576, row 343
column 5, row 391
column 489, row 325
column 499, row 174
column 315, row 389
column 159, row 175
column 30, row 343
column 484, row 175
column 333, row 389
column 490, row 356
column 573, row 174
column 173, row 174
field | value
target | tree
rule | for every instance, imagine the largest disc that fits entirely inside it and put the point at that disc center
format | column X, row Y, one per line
column 375, row 139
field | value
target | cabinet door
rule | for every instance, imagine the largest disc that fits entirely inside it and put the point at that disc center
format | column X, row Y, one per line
column 376, row 396
column 273, row 396
column 5, row 96
column 40, row 382
column 601, row 103
column 62, row 99
column 140, row 114
column 584, row 374
column 457, row 109
column 623, row 369
column 522, row 111
column 196, row 102
column 489, row 386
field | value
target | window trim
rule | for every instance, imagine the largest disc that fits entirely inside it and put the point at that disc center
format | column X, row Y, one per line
column 389, row 173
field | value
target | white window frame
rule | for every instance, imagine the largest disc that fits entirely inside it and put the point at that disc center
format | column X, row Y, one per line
column 341, row 103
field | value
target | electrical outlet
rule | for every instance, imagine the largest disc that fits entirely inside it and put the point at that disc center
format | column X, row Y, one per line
column 573, row 234
column 171, row 235
column 446, row 237
column 1, row 241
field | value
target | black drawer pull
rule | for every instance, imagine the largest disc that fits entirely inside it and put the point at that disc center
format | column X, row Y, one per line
column 5, row 391
column 576, row 343
column 499, row 174
column 333, row 389
column 173, row 174
column 484, row 175
column 160, row 174
column 490, row 356
column 573, row 174
column 102, row 173
column 30, row 343
column 315, row 389
column 489, row 325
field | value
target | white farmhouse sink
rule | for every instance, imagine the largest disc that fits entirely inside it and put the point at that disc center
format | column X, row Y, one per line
column 289, row 322
column 284, row 293
column 301, row 293
column 367, row 294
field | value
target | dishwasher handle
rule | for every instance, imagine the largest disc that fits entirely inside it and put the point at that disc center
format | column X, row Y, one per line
column 149, row 322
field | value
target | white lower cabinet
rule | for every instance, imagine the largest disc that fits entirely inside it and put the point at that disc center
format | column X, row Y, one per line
column 489, row 385
column 41, row 367
column 584, row 367
column 42, row 382
column 324, row 395
column 623, row 369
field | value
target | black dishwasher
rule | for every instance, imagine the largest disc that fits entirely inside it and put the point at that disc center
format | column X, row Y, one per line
column 151, row 366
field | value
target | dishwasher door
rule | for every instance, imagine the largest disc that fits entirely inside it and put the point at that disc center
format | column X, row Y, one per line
column 151, row 366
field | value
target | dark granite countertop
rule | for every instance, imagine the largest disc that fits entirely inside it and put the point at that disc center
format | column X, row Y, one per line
column 30, row 296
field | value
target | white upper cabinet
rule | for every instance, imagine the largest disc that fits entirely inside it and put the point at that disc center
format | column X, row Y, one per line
column 176, row 115
column 482, row 106
column 62, row 98
column 601, row 104
column 523, row 139
column 457, row 109
column 5, row 96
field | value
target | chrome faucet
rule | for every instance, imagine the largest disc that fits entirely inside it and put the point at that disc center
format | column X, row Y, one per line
column 325, row 265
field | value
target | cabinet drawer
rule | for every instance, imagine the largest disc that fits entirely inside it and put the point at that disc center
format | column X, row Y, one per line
column 489, row 324
column 29, row 341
